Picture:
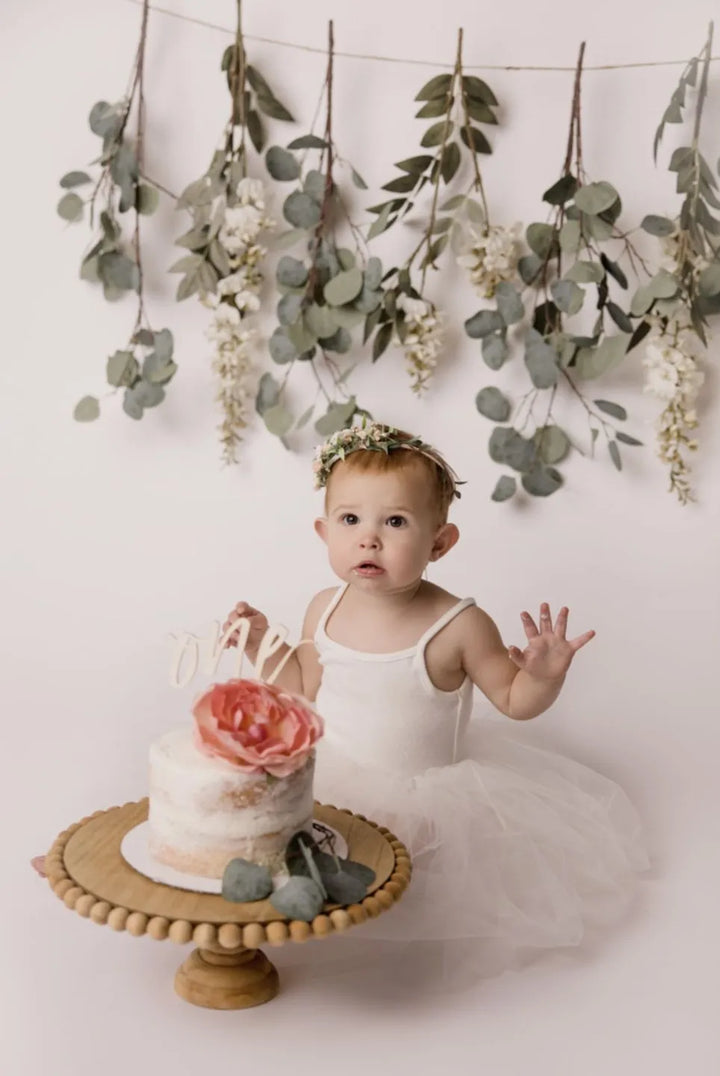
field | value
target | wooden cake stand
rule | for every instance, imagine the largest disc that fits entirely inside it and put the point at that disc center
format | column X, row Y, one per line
column 227, row 970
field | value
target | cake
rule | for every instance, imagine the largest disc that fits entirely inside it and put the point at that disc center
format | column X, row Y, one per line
column 238, row 784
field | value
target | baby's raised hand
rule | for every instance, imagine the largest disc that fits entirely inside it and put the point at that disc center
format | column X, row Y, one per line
column 258, row 625
column 548, row 653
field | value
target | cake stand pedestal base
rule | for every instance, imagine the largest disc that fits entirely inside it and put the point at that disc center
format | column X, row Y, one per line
column 222, row 979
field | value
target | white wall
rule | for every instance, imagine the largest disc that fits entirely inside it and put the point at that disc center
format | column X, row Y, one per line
column 118, row 533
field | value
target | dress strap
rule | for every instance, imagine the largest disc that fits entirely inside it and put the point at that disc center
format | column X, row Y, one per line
column 334, row 601
column 451, row 613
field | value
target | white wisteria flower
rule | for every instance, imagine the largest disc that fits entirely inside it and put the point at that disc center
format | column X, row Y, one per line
column 236, row 298
column 491, row 257
column 673, row 375
column 422, row 341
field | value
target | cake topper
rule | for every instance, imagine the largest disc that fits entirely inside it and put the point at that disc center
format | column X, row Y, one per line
column 205, row 651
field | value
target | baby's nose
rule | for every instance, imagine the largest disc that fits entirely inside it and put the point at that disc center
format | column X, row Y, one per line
column 369, row 540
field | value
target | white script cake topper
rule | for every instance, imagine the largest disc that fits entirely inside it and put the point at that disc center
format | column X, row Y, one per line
column 206, row 650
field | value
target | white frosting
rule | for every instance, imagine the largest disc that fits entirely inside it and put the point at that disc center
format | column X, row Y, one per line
column 205, row 812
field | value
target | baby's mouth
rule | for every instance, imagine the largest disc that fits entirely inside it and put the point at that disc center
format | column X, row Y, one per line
column 368, row 567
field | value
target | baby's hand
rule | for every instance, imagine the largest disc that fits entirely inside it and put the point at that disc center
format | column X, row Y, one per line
column 548, row 653
column 258, row 625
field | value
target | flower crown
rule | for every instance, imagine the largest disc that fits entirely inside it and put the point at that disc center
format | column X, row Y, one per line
column 374, row 438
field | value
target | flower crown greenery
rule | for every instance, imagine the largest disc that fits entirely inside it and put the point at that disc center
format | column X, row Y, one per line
column 374, row 438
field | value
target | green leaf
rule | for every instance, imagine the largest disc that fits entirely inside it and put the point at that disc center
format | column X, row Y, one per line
column 118, row 271
column 642, row 300
column 244, row 881
column 344, row 287
column 378, row 226
column 290, row 272
column 595, row 198
column 320, row 320
column 435, row 134
column 147, row 199
column 592, row 362
column 450, row 161
column 281, row 164
column 255, row 130
column 382, row 339
column 505, row 488
column 541, row 239
column 340, row 341
column 528, row 267
column 709, row 279
column 273, row 108
column 268, row 394
column 416, row 165
column 298, row 898
column 509, row 303
column 475, row 87
column 478, row 110
column 655, row 225
column 70, row 207
column 541, row 360
column 570, row 236
column 615, row 454
column 552, row 444
column 626, row 439
column 614, row 270
column 475, row 140
column 288, row 308
column 567, row 295
column 401, row 184
column 281, row 347
column 438, row 85
column 562, row 191
column 301, row 210
column 620, row 317
column 75, row 179
column 491, row 403
column 483, row 323
column 336, row 417
column 494, row 350
column 373, row 274
column 87, row 409
column 541, row 481
column 583, row 272
column 358, row 179
column 613, row 409
column 105, row 119
column 308, row 141
column 158, row 369
column 278, row 420
column 301, row 336
column 122, row 369
column 663, row 285
column 506, row 445
column 436, row 106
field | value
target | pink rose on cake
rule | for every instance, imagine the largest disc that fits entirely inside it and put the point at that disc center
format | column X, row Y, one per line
column 256, row 726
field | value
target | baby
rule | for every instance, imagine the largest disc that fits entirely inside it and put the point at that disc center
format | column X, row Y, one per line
column 510, row 843
column 387, row 497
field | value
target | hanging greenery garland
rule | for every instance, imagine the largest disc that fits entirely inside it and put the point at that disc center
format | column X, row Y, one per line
column 457, row 102
column 679, row 299
column 327, row 291
column 563, row 301
column 146, row 363
column 224, row 263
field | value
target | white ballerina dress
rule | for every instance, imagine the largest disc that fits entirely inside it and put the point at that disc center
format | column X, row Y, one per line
column 511, row 845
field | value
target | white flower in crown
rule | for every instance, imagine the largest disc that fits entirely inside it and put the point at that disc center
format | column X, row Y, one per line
column 414, row 309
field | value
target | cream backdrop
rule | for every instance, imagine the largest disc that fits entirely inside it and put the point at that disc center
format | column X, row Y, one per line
column 117, row 533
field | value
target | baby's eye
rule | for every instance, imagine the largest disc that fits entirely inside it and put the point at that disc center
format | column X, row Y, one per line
column 350, row 518
column 397, row 521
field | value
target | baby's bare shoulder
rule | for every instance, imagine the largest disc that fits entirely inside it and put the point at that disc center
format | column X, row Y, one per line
column 316, row 607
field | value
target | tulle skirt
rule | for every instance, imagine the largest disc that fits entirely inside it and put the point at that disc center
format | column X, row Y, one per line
column 514, row 846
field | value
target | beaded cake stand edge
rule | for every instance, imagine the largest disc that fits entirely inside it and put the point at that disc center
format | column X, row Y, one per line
column 227, row 970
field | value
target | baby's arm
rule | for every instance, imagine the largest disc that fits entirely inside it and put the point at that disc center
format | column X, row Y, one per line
column 520, row 693
column 301, row 671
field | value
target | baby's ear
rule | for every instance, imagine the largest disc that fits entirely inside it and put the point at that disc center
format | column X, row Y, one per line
column 321, row 528
column 445, row 539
